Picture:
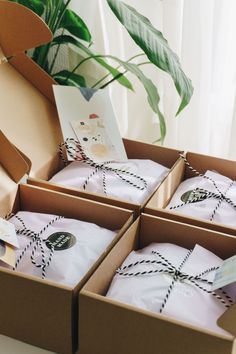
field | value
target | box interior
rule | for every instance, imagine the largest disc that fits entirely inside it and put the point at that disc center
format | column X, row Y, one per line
column 201, row 163
column 16, row 197
column 158, row 202
column 141, row 234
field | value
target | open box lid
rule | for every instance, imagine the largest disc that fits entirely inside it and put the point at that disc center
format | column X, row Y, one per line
column 28, row 116
column 13, row 167
column 20, row 30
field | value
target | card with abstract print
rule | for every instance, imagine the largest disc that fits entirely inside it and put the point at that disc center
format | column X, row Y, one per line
column 88, row 116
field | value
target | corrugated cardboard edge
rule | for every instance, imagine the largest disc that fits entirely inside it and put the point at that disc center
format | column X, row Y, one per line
column 12, row 160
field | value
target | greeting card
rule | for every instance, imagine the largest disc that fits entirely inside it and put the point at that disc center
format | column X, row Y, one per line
column 88, row 116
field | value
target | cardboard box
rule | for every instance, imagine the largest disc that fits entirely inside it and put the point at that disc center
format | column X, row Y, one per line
column 135, row 150
column 121, row 328
column 202, row 163
column 36, row 311
column 30, row 89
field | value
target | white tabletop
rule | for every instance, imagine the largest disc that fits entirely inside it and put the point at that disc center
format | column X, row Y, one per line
column 12, row 346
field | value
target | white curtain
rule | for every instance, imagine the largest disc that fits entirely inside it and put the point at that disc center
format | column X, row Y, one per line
column 203, row 34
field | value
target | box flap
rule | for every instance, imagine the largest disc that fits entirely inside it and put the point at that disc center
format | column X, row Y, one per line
column 28, row 116
column 20, row 29
column 12, row 160
column 228, row 320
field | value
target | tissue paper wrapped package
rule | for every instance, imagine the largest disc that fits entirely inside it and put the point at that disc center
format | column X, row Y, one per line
column 144, row 286
column 205, row 201
column 77, row 246
column 136, row 184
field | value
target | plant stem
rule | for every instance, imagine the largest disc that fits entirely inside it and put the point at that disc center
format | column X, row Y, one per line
column 113, row 79
column 121, row 74
column 55, row 57
column 48, row 10
column 107, row 75
column 80, row 63
column 103, row 78
column 56, row 15
column 144, row 63
column 57, row 24
column 43, row 54
column 136, row 56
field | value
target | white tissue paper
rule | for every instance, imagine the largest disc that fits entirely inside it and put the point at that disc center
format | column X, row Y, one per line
column 75, row 174
column 225, row 214
column 186, row 302
column 69, row 265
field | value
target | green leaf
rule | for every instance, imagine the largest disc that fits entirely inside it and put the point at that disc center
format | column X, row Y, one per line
column 155, row 47
column 75, row 25
column 65, row 77
column 152, row 93
column 63, row 39
column 151, row 89
column 37, row 6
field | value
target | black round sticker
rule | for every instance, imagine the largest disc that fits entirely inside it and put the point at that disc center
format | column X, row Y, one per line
column 193, row 196
column 60, row 241
column 186, row 196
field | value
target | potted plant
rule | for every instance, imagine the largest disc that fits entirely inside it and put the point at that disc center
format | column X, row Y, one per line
column 70, row 30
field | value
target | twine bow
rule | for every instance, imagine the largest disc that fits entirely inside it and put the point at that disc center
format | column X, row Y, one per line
column 75, row 151
column 177, row 276
column 36, row 243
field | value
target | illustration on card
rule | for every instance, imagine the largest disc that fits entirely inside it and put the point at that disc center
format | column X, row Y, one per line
column 90, row 120
column 94, row 139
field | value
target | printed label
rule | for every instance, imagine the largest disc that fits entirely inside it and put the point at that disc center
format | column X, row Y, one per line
column 8, row 233
column 60, row 241
column 226, row 274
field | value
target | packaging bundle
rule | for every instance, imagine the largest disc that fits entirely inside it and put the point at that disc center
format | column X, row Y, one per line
column 57, row 248
column 169, row 279
column 133, row 180
column 211, row 197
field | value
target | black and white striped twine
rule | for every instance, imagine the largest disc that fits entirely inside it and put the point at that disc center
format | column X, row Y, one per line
column 170, row 269
column 36, row 242
column 199, row 194
column 75, row 151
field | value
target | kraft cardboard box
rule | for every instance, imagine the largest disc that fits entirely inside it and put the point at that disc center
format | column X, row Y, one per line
column 42, row 312
column 135, row 150
column 32, row 123
column 202, row 163
column 108, row 326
